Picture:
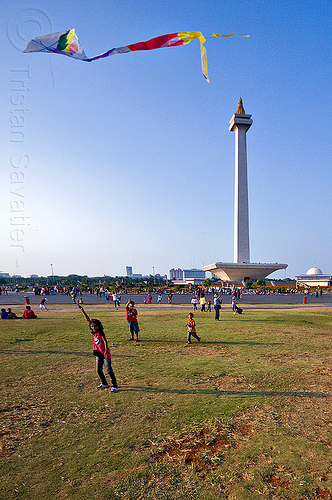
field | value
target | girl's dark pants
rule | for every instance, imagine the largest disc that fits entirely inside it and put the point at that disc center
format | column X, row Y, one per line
column 217, row 309
column 99, row 367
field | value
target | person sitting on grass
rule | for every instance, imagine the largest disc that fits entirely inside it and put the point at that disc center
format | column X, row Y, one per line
column 131, row 315
column 10, row 314
column 191, row 326
column 28, row 313
column 101, row 351
column 4, row 314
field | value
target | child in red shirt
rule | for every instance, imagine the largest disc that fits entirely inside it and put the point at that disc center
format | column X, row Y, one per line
column 101, row 351
column 191, row 326
column 131, row 316
column 28, row 313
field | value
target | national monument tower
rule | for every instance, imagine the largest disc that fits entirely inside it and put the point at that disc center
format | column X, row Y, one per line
column 241, row 269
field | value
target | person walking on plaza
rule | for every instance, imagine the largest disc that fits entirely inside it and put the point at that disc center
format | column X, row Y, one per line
column 42, row 305
column 217, row 305
column 131, row 315
column 191, row 328
column 101, row 351
column 115, row 300
column 208, row 306
column 202, row 302
column 194, row 302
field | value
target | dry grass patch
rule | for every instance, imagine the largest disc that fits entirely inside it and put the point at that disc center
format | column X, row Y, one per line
column 204, row 448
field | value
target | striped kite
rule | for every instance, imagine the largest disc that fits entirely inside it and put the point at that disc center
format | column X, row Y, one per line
column 67, row 43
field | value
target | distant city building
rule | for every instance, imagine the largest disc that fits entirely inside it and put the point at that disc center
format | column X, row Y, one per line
column 4, row 275
column 189, row 274
column 130, row 274
column 161, row 277
column 314, row 277
column 175, row 274
column 189, row 277
column 34, row 276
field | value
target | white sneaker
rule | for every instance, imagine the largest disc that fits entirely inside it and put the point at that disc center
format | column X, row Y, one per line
column 114, row 389
column 102, row 386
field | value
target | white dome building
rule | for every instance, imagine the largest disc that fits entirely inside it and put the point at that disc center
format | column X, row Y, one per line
column 314, row 271
column 314, row 277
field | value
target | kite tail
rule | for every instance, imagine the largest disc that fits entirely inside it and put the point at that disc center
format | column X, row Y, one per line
column 67, row 43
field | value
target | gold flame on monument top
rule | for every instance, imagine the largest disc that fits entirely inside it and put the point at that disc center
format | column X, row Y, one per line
column 240, row 108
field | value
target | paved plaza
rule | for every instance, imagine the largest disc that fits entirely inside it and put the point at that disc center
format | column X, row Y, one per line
column 250, row 300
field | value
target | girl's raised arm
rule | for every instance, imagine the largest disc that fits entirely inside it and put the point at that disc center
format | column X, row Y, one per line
column 84, row 313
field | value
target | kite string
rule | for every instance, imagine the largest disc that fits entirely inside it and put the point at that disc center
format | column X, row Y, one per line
column 52, row 75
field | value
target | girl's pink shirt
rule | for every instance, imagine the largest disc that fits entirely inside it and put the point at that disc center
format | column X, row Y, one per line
column 99, row 345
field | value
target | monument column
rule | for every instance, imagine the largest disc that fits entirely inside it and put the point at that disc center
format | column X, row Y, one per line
column 240, row 124
column 241, row 269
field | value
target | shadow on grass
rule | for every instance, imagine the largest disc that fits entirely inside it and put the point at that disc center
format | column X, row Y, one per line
column 244, row 320
column 213, row 342
column 71, row 353
column 298, row 394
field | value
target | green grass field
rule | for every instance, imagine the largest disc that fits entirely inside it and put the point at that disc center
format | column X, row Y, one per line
column 245, row 414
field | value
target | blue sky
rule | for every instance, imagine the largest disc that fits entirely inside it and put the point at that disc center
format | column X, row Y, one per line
column 129, row 161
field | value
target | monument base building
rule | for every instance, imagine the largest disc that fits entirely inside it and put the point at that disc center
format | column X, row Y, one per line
column 239, row 273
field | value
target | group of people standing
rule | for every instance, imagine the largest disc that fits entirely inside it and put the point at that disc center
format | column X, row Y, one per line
column 101, row 348
column 206, row 305
column 148, row 299
column 100, row 345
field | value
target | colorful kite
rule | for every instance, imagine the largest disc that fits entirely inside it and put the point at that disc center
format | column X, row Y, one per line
column 67, row 43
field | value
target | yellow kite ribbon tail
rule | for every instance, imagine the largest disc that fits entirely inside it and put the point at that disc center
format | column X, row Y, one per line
column 204, row 58
column 188, row 36
column 226, row 36
column 203, row 51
